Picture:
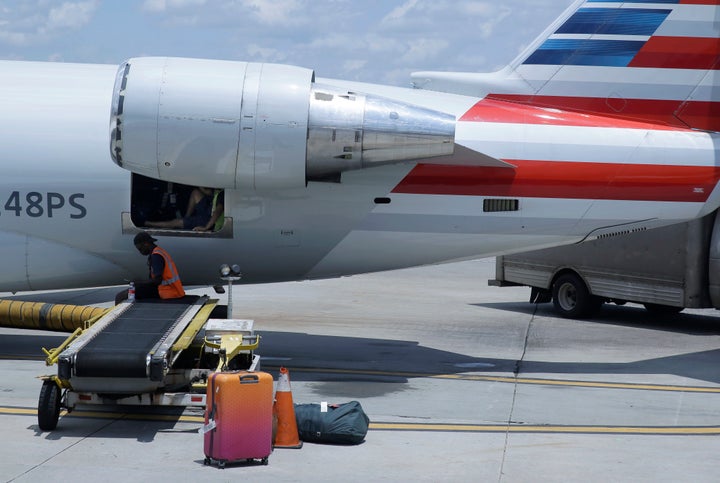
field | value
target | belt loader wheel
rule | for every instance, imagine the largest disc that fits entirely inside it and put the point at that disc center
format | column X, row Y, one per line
column 49, row 406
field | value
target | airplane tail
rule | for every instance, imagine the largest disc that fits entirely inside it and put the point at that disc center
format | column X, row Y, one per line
column 648, row 60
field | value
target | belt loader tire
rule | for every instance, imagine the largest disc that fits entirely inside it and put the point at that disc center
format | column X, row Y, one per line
column 49, row 406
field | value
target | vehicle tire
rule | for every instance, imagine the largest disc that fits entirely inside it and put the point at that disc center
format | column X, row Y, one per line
column 571, row 297
column 49, row 406
column 660, row 309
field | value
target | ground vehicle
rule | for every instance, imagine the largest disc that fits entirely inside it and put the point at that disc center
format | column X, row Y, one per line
column 665, row 269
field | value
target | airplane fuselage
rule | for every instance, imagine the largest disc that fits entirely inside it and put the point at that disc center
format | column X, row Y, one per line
column 64, row 204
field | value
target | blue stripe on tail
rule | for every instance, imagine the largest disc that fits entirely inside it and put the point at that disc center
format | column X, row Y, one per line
column 611, row 53
column 614, row 21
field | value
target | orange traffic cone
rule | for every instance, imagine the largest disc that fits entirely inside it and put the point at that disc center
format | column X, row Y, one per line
column 284, row 411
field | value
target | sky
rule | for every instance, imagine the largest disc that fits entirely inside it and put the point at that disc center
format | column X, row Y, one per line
column 379, row 41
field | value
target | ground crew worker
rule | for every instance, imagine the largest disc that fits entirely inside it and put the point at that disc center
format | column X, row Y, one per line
column 164, row 281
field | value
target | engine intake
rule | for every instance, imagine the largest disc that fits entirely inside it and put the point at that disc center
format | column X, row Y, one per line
column 258, row 126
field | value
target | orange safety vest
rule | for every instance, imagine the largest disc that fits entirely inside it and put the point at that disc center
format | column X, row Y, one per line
column 171, row 286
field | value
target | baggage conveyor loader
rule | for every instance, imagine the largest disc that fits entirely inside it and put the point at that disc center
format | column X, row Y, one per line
column 147, row 353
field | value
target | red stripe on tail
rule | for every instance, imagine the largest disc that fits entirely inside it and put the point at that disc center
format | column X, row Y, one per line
column 678, row 53
column 702, row 115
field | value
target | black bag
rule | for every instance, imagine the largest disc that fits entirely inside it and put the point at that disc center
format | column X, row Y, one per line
column 340, row 424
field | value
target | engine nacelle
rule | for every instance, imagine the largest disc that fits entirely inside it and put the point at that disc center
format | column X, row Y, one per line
column 258, row 126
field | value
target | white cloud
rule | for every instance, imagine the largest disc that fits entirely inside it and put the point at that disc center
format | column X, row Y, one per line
column 70, row 15
column 399, row 13
column 232, row 14
column 165, row 5
column 482, row 9
column 440, row 33
column 373, row 40
column 384, row 44
column 330, row 41
column 424, row 49
column 25, row 23
column 354, row 65
column 265, row 54
column 275, row 11
column 13, row 38
column 487, row 28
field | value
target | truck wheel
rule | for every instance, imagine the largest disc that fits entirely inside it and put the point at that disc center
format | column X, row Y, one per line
column 571, row 297
column 660, row 309
column 48, row 406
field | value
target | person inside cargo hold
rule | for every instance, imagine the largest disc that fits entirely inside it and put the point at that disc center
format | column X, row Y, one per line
column 204, row 212
column 164, row 280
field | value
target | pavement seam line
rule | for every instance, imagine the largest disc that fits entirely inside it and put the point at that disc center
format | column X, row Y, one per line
column 516, row 374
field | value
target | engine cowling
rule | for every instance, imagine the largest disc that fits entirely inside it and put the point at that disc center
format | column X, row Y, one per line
column 258, row 126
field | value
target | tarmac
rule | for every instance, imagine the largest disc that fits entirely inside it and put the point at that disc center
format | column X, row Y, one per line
column 461, row 381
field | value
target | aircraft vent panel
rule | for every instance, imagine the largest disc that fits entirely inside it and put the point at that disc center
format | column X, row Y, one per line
column 491, row 205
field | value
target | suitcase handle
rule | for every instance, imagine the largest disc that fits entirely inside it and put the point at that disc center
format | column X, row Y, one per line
column 249, row 379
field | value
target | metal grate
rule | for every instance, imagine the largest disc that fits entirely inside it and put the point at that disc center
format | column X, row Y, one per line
column 492, row 205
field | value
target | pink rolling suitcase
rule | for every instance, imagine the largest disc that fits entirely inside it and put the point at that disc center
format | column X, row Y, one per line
column 238, row 417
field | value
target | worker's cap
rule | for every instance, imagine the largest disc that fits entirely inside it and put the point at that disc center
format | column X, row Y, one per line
column 143, row 237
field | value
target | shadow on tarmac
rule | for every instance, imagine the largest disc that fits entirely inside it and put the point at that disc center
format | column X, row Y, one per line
column 394, row 362
column 701, row 366
column 365, row 359
column 23, row 347
column 324, row 358
column 139, row 423
column 625, row 316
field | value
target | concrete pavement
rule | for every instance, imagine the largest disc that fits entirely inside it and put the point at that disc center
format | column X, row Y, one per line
column 462, row 382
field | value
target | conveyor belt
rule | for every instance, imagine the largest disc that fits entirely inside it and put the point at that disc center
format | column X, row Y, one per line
column 131, row 343
column 121, row 349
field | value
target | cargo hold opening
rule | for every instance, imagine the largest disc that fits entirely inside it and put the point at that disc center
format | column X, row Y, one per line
column 155, row 202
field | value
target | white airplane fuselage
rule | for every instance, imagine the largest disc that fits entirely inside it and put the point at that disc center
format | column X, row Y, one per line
column 62, row 198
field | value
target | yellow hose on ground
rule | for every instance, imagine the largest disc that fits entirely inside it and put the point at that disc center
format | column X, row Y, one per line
column 43, row 316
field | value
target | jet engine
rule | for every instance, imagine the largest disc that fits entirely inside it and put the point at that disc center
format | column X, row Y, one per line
column 258, row 126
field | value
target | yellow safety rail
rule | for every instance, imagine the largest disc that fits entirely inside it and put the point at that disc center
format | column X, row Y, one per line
column 52, row 354
column 188, row 335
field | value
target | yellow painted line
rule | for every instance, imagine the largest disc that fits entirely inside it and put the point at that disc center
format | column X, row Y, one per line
column 16, row 411
column 518, row 380
column 522, row 428
column 592, row 384
column 419, row 427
